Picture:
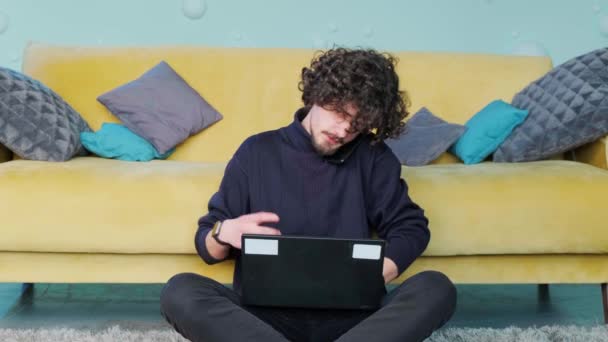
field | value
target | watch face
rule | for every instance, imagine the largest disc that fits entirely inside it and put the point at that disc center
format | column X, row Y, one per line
column 215, row 231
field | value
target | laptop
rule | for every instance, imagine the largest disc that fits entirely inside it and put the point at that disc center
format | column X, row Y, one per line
column 312, row 272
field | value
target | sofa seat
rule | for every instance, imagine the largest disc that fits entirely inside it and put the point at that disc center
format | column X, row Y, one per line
column 97, row 205
column 544, row 207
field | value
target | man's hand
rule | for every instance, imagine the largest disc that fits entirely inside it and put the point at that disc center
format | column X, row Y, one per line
column 233, row 229
column 389, row 270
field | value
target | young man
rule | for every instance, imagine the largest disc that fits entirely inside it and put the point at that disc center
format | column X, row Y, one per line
column 326, row 174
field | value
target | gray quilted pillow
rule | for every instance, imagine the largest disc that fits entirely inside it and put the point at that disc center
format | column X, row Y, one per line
column 35, row 122
column 568, row 107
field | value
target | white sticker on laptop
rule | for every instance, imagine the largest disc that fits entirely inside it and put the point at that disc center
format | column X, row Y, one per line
column 369, row 252
column 261, row 246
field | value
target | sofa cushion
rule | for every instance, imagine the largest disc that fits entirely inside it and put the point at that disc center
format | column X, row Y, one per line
column 487, row 208
column 425, row 138
column 93, row 204
column 486, row 130
column 117, row 141
column 161, row 107
column 554, row 206
column 35, row 122
column 568, row 108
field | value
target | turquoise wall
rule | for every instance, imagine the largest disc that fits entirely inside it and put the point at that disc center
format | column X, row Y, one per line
column 559, row 28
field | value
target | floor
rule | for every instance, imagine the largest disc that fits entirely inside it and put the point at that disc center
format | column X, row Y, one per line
column 136, row 306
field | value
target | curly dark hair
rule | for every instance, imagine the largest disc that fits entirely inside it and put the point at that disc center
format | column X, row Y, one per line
column 364, row 78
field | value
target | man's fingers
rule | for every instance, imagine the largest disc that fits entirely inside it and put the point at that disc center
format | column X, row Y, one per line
column 261, row 217
column 268, row 231
column 254, row 229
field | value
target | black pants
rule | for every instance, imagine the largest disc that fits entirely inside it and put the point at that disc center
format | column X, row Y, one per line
column 202, row 309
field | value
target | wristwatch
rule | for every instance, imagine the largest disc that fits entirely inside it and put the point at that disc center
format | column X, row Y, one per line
column 215, row 233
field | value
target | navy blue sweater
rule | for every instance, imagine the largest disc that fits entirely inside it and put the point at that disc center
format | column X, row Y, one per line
column 279, row 171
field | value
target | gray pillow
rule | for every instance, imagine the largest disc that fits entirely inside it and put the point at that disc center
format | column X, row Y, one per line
column 35, row 122
column 160, row 107
column 568, row 107
column 425, row 138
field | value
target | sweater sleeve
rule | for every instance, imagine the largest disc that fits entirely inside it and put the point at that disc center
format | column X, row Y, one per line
column 230, row 201
column 398, row 220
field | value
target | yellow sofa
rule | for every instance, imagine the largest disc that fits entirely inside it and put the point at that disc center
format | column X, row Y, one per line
column 98, row 220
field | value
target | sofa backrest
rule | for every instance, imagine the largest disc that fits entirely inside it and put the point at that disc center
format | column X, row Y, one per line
column 256, row 89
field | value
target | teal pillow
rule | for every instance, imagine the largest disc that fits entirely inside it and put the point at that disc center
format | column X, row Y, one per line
column 486, row 130
column 117, row 141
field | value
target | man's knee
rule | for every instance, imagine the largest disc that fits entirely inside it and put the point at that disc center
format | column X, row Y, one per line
column 175, row 295
column 444, row 291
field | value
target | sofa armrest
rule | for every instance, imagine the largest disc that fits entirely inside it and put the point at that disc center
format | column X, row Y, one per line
column 5, row 154
column 593, row 153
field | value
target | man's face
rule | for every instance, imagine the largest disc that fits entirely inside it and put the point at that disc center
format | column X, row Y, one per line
column 329, row 129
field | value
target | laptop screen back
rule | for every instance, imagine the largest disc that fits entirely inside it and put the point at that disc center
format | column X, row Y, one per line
column 291, row 271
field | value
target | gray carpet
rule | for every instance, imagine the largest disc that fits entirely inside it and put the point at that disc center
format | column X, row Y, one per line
column 542, row 334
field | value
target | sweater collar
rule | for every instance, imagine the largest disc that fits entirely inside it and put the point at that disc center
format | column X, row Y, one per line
column 297, row 134
column 301, row 139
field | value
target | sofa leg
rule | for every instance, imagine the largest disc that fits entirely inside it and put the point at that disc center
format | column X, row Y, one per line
column 543, row 293
column 27, row 289
column 605, row 302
